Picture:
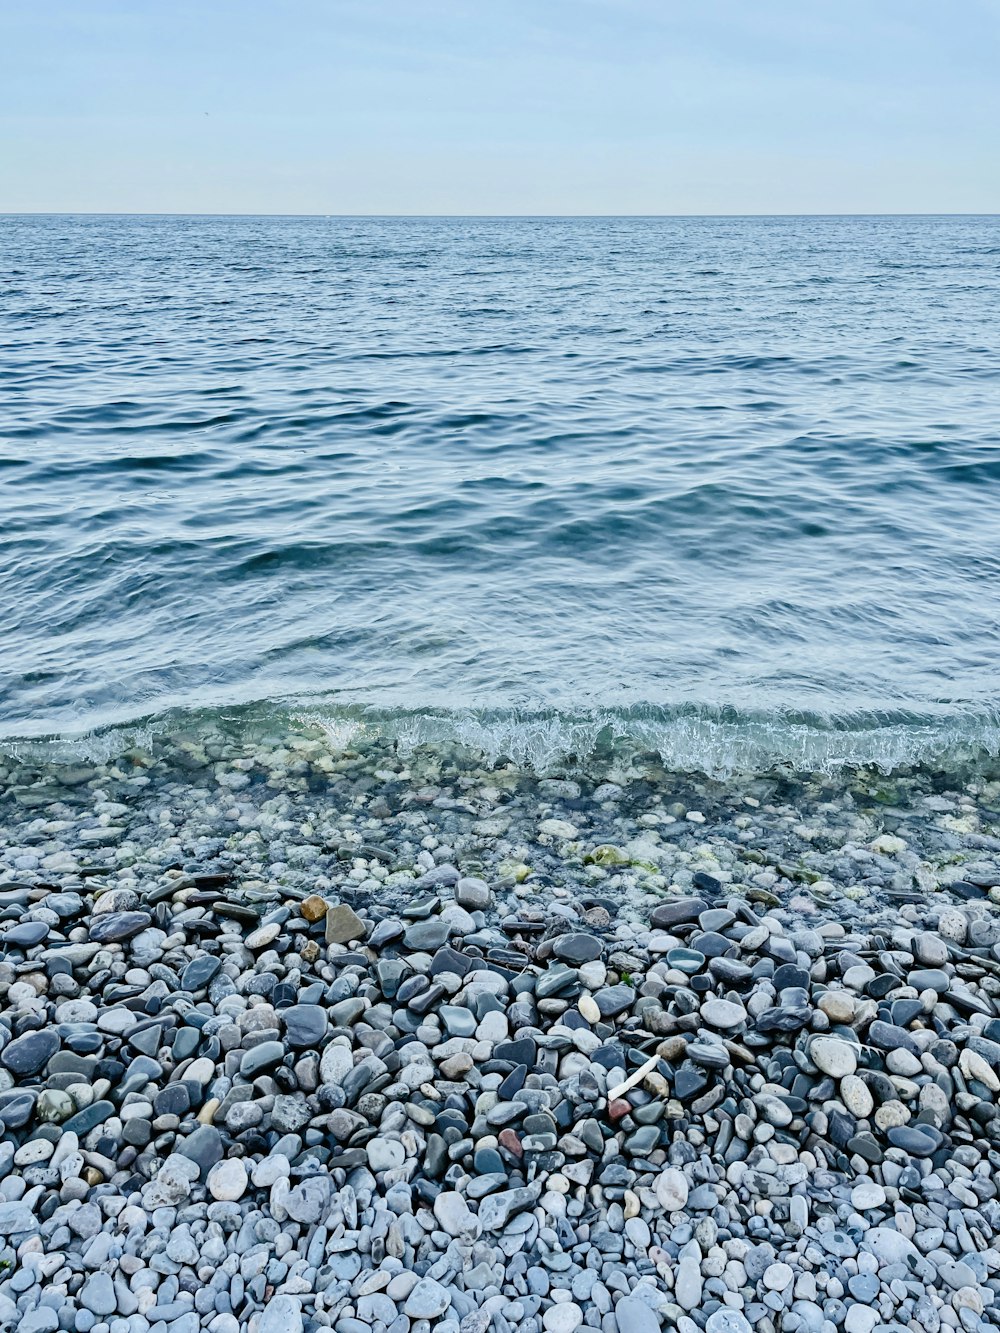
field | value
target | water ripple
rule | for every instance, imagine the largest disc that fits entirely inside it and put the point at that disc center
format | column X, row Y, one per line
column 725, row 487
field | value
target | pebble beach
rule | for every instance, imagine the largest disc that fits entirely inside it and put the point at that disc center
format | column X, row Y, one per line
column 299, row 1035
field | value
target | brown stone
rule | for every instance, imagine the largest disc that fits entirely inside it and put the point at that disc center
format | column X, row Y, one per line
column 314, row 908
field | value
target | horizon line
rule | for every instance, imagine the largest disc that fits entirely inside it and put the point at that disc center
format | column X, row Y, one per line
column 102, row 213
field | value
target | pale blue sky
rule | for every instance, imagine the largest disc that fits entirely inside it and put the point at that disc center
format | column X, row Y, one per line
column 500, row 106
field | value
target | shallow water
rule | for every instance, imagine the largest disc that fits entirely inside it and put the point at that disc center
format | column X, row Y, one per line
column 725, row 488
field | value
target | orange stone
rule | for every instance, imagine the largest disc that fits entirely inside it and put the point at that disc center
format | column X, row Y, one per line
column 314, row 908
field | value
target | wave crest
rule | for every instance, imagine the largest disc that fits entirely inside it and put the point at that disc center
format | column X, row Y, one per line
column 716, row 741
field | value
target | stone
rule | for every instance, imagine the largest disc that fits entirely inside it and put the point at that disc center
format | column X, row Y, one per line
column 473, row 894
column 856, row 1096
column 426, row 935
column 16, row 1218
column 671, row 1189
column 262, row 1057
column 428, row 1300
column 199, row 972
column 309, row 1200
column 635, row 1316
column 281, row 1314
column 98, row 1294
column 113, row 927
column 727, row 1321
column 563, row 1317
column 777, row 1277
column 25, row 935
column 335, row 1063
column 454, row 1216
column 723, row 1014
column 305, row 1025
column 314, row 908
column 867, row 1195
column 28, row 1054
column 343, row 925
column 227, row 1180
column 385, row 1154
column 577, row 948
column 832, row 1056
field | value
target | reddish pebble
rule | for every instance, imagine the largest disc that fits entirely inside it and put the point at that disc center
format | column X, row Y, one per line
column 509, row 1140
column 618, row 1108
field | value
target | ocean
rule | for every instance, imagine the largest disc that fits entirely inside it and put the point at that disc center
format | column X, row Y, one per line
column 722, row 489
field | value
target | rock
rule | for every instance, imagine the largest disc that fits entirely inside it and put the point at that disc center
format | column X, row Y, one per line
column 16, row 1218
column 671, row 1190
column 453, row 1215
column 98, row 1294
column 113, row 927
column 577, row 948
column 385, row 1154
column 856, row 1096
column 305, row 1025
column 335, row 1064
column 727, row 1321
column 28, row 1054
column 867, row 1195
column 343, row 925
column 228, row 1179
column 723, row 1014
column 308, row 1201
column 832, row 1056
column 473, row 894
column 777, row 1277
column 427, row 1300
column 635, row 1316
column 565, row 1317
column 314, row 908
column 281, row 1314
column 199, row 972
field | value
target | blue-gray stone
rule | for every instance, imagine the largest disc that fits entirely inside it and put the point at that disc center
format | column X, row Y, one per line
column 30, row 1053
column 200, row 971
column 305, row 1025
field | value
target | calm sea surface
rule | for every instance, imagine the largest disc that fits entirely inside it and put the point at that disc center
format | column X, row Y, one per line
column 729, row 488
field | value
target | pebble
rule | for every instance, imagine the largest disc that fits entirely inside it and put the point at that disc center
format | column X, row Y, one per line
column 375, row 1041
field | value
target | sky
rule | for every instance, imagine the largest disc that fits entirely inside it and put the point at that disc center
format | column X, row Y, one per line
column 500, row 106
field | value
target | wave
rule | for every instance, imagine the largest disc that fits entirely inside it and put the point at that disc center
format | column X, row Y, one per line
column 716, row 741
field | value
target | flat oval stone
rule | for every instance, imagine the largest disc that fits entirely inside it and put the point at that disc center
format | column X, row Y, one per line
column 258, row 1058
column 30, row 1053
column 686, row 960
column 834, row 1057
column 26, row 934
column 578, row 947
column 917, row 1140
column 112, row 927
column 723, row 1013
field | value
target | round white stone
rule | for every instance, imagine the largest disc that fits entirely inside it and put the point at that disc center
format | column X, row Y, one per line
column 861, row 1319
column 777, row 1277
column 227, row 1180
column 562, row 1318
column 867, row 1194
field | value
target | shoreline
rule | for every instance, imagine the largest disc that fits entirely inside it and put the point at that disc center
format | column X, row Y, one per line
column 304, row 1037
